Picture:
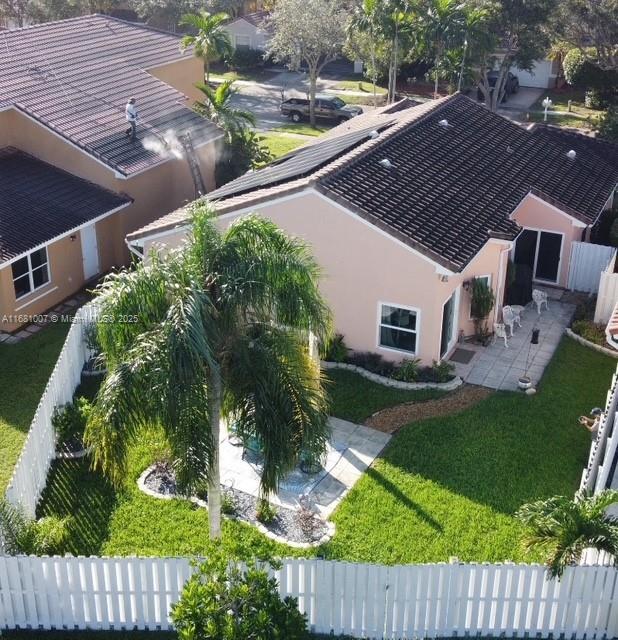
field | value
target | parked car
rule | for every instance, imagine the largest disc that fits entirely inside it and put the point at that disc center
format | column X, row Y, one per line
column 511, row 86
column 326, row 108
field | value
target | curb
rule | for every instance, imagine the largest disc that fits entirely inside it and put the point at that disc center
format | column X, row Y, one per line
column 591, row 345
column 390, row 382
column 330, row 527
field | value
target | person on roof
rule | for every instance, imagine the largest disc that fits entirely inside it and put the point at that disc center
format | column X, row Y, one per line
column 131, row 114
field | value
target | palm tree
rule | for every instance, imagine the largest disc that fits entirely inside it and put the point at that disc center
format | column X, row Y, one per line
column 218, row 108
column 211, row 41
column 220, row 329
column 562, row 527
column 442, row 25
column 366, row 19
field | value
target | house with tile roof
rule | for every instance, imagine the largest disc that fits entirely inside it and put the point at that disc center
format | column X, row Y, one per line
column 248, row 31
column 404, row 206
column 72, row 183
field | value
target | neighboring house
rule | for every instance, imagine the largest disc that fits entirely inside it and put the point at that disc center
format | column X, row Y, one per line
column 63, row 90
column 543, row 75
column 247, row 31
column 404, row 206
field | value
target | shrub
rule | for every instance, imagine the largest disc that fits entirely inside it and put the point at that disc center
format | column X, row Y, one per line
column 481, row 305
column 601, row 85
column 608, row 129
column 334, row 349
column 245, row 59
column 70, row 419
column 442, row 371
column 221, row 602
column 590, row 331
column 373, row 362
column 585, row 310
column 408, row 370
column 228, row 504
column 265, row 512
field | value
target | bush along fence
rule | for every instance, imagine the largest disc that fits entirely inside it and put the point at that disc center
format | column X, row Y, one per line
column 30, row 473
column 361, row 600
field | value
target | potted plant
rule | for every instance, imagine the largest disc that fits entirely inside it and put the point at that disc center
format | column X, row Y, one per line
column 480, row 307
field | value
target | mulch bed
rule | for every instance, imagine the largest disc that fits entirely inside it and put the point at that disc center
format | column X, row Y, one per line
column 390, row 420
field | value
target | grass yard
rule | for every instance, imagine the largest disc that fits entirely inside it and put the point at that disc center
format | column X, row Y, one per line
column 279, row 144
column 360, row 85
column 26, row 367
column 565, row 120
column 560, row 99
column 449, row 486
column 302, row 128
column 248, row 75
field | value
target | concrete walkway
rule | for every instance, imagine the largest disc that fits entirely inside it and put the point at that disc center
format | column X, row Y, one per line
column 498, row 367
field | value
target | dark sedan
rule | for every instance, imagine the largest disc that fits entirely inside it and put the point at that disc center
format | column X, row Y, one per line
column 511, row 86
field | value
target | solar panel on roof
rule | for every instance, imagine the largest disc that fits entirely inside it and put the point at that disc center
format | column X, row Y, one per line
column 295, row 165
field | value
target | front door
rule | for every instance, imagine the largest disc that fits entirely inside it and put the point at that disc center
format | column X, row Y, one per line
column 448, row 325
column 539, row 251
column 90, row 251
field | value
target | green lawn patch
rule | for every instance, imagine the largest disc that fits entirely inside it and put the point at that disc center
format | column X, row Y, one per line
column 560, row 99
column 302, row 128
column 26, row 367
column 360, row 85
column 565, row 120
column 449, row 486
column 279, row 144
column 355, row 398
column 247, row 75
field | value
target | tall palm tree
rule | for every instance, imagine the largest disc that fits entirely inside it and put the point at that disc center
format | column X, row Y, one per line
column 442, row 25
column 366, row 19
column 211, row 40
column 562, row 527
column 220, row 329
column 217, row 106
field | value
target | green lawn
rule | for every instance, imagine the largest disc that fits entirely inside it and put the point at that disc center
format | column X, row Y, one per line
column 560, row 99
column 301, row 128
column 565, row 120
column 279, row 144
column 249, row 75
column 25, row 369
column 360, row 85
column 355, row 398
column 449, row 486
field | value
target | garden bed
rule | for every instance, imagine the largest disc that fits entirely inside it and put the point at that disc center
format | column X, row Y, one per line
column 295, row 527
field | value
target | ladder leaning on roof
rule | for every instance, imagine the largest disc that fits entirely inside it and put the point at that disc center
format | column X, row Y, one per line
column 196, row 174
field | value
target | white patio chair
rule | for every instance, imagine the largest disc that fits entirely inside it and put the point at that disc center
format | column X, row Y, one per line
column 540, row 298
column 518, row 310
column 501, row 332
column 509, row 318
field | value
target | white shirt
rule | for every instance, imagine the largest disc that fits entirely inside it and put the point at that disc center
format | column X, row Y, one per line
column 131, row 112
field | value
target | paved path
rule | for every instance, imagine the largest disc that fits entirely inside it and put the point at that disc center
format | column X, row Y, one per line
column 498, row 367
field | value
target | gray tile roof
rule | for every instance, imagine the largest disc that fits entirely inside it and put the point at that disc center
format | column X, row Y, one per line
column 39, row 202
column 75, row 76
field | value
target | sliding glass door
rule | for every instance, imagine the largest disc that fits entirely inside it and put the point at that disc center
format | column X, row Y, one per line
column 541, row 251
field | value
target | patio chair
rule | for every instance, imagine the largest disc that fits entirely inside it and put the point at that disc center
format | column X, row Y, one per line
column 501, row 332
column 509, row 318
column 539, row 298
column 518, row 310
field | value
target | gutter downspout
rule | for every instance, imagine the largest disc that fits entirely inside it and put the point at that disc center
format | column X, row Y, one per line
column 132, row 250
column 501, row 282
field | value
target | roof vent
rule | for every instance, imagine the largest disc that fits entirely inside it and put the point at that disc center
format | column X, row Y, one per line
column 386, row 163
column 571, row 155
column 444, row 124
column 374, row 134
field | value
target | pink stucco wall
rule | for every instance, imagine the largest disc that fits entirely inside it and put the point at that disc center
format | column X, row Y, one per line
column 363, row 267
column 533, row 213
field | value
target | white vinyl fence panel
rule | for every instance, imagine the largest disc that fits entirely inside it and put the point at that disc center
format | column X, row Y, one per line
column 361, row 600
column 607, row 296
column 30, row 473
column 587, row 263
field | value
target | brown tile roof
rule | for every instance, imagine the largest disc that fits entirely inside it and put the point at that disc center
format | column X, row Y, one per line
column 75, row 76
column 256, row 18
column 39, row 202
column 457, row 173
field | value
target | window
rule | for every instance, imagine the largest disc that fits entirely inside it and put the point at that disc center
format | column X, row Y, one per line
column 243, row 42
column 30, row 272
column 398, row 328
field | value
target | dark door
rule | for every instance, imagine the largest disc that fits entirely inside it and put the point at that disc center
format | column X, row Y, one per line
column 548, row 256
column 525, row 248
column 448, row 322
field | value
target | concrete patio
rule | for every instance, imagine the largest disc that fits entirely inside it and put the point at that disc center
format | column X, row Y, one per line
column 352, row 448
column 498, row 367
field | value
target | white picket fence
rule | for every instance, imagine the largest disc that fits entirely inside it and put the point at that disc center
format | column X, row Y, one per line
column 361, row 600
column 586, row 264
column 30, row 473
column 607, row 296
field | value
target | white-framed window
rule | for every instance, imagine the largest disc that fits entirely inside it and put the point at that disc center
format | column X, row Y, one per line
column 243, row 42
column 398, row 328
column 30, row 272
